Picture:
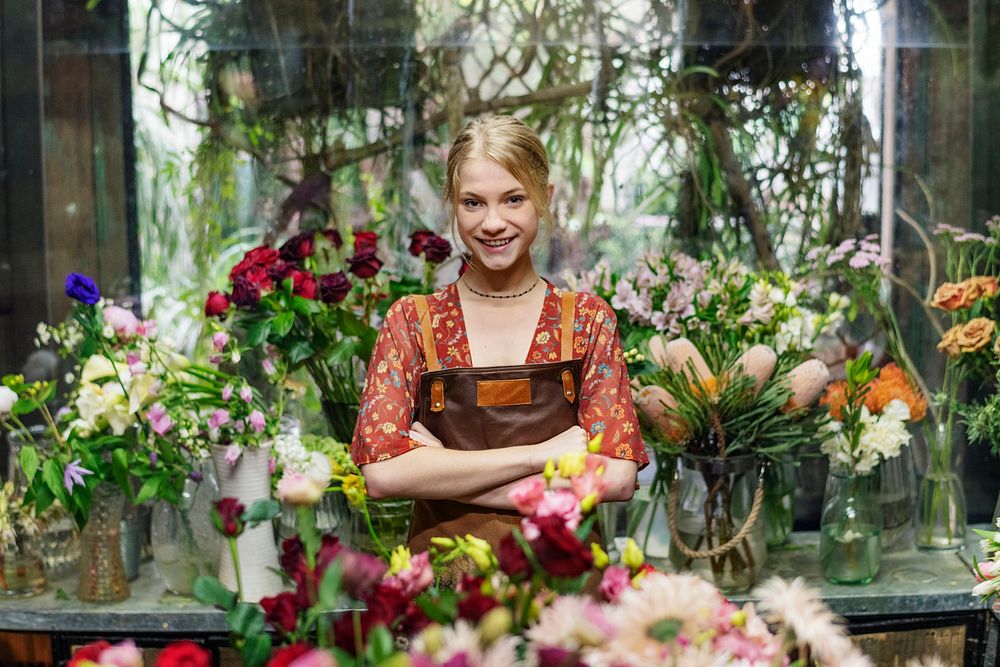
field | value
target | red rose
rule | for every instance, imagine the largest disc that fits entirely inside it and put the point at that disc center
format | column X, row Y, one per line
column 286, row 655
column 365, row 264
column 281, row 270
column 417, row 241
column 304, row 284
column 512, row 559
column 227, row 516
column 437, row 249
column 262, row 256
column 259, row 277
column 361, row 572
column 245, row 293
column 333, row 236
column 91, row 652
column 281, row 612
column 216, row 304
column 365, row 240
column 298, row 247
column 334, row 287
column 329, row 549
column 184, row 654
column 558, row 550
column 475, row 605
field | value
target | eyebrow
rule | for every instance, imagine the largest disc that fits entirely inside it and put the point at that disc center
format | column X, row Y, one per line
column 468, row 193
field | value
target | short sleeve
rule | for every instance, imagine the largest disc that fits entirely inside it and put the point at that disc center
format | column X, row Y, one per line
column 390, row 393
column 606, row 396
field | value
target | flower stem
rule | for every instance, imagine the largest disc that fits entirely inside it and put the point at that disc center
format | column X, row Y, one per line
column 235, row 553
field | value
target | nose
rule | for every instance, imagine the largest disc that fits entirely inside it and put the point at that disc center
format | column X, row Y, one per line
column 493, row 223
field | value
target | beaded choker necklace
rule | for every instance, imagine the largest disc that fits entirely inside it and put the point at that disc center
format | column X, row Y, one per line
column 502, row 296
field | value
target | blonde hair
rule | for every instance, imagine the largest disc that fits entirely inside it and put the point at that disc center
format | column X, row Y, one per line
column 512, row 145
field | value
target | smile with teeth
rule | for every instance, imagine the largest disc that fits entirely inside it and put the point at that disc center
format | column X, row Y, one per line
column 496, row 243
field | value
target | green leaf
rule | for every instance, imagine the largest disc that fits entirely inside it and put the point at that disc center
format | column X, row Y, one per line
column 23, row 406
column 329, row 588
column 300, row 350
column 441, row 610
column 283, row 323
column 380, row 645
column 246, row 619
column 119, row 469
column 209, row 590
column 29, row 462
column 261, row 511
column 53, row 478
column 304, row 306
column 341, row 352
column 256, row 650
column 149, row 489
column 257, row 333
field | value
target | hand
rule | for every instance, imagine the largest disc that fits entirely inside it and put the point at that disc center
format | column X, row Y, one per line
column 420, row 433
column 573, row 439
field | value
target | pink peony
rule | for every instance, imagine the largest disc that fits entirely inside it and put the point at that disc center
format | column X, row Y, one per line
column 527, row 495
column 121, row 320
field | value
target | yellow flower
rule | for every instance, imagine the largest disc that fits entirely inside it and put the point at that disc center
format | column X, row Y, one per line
column 588, row 502
column 572, row 464
column 399, row 560
column 443, row 542
column 353, row 488
column 594, row 445
column 601, row 559
column 550, row 470
column 632, row 556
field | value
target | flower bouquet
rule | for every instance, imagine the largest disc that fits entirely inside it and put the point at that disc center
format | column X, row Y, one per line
column 869, row 412
column 721, row 416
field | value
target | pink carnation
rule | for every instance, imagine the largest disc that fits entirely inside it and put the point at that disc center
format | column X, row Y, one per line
column 527, row 495
column 563, row 504
column 417, row 578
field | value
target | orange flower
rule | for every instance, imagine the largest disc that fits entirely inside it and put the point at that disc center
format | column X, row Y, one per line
column 976, row 334
column 949, row 342
column 977, row 288
column 949, row 296
column 836, row 398
column 893, row 384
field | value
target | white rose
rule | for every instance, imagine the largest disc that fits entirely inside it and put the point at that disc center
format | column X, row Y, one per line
column 7, row 399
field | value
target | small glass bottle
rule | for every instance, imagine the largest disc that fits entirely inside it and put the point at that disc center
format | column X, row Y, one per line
column 850, row 529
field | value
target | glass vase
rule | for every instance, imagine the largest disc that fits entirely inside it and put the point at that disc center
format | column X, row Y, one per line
column 896, row 494
column 185, row 542
column 780, row 479
column 22, row 571
column 850, row 545
column 716, row 526
column 331, row 515
column 57, row 539
column 940, row 521
column 102, row 572
column 390, row 519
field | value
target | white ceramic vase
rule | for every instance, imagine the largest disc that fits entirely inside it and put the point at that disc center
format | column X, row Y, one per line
column 249, row 480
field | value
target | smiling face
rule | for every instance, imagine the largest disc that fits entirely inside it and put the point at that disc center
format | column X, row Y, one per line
column 496, row 218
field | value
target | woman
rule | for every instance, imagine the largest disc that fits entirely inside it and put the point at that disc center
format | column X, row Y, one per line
column 499, row 390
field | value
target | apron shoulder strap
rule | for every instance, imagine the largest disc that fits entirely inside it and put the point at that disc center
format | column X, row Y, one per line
column 427, row 332
column 566, row 326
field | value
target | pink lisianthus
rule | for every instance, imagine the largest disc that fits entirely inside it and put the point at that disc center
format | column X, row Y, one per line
column 233, row 452
column 561, row 503
column 314, row 658
column 413, row 580
column 159, row 420
column 219, row 340
column 300, row 490
column 527, row 495
column 220, row 417
column 124, row 323
column 246, row 393
column 227, row 393
column 616, row 579
column 987, row 570
column 257, row 421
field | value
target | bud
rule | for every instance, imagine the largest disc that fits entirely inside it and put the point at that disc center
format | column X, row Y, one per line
column 399, row 560
column 594, row 445
column 632, row 556
column 588, row 502
column 495, row 624
column 480, row 558
column 601, row 559
column 738, row 619
column 443, row 542
column 550, row 470
column 572, row 464
column 479, row 543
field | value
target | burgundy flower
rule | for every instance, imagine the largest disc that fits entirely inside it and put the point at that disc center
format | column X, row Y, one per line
column 474, row 606
column 365, row 240
column 555, row 656
column 259, row 277
column 365, row 264
column 334, row 287
column 286, row 655
column 262, row 256
column 281, row 270
column 245, row 293
column 216, row 304
column 437, row 249
column 512, row 559
column 298, row 247
column 281, row 612
column 360, row 572
column 333, row 236
column 184, row 654
column 227, row 516
column 558, row 550
column 329, row 549
column 304, row 284
column 418, row 239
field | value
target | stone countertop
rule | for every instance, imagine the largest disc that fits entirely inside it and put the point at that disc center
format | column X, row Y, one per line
column 909, row 582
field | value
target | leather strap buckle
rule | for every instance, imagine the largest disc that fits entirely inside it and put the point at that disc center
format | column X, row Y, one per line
column 569, row 387
column 437, row 396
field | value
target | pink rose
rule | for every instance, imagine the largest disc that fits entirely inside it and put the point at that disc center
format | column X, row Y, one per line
column 616, row 579
column 527, row 495
column 314, row 658
column 121, row 320
column 124, row 654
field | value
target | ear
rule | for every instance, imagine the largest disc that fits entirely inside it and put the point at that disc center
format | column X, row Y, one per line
column 549, row 191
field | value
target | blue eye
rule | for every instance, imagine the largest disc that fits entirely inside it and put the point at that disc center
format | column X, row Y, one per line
column 470, row 203
column 516, row 199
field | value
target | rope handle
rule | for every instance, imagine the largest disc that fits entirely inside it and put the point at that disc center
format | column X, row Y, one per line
column 758, row 504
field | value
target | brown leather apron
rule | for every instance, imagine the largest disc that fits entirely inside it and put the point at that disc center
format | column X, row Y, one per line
column 488, row 408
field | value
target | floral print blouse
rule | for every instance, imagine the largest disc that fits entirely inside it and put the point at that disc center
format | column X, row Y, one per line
column 390, row 397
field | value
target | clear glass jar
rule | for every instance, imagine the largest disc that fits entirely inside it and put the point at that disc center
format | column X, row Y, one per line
column 22, row 572
column 780, row 480
column 390, row 520
column 850, row 546
column 940, row 521
column 896, row 493
column 715, row 498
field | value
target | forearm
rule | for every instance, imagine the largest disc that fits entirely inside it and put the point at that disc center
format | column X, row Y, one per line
column 496, row 498
column 439, row 473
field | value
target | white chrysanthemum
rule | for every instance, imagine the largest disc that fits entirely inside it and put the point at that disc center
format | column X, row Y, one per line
column 572, row 623
column 462, row 638
column 800, row 611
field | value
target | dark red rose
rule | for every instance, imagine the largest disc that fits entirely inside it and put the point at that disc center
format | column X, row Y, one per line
column 437, row 249
column 387, row 603
column 512, row 559
column 360, row 572
column 281, row 270
column 304, row 284
column 227, row 516
column 365, row 240
column 281, row 612
column 245, row 293
column 333, row 236
column 558, row 550
column 344, row 631
column 216, row 304
column 293, row 556
column 259, row 277
column 329, row 549
column 365, row 264
column 91, row 652
column 184, row 654
column 262, row 256
column 298, row 247
column 418, row 239
column 554, row 656
column 285, row 656
column 334, row 287
column 474, row 605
